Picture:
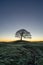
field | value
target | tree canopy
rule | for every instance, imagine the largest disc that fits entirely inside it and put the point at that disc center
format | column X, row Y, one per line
column 23, row 33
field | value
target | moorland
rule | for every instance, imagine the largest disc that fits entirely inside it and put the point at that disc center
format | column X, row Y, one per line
column 21, row 53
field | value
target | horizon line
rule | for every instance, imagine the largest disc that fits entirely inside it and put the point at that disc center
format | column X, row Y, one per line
column 24, row 40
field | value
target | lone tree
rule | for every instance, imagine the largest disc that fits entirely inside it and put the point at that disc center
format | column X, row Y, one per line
column 23, row 33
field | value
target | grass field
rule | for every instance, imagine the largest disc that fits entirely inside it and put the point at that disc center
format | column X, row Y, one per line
column 21, row 53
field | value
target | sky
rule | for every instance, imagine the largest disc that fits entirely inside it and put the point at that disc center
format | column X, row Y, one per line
column 21, row 14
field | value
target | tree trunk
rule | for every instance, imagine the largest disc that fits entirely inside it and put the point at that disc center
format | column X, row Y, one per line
column 21, row 37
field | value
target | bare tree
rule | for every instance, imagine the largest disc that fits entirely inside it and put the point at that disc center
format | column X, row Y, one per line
column 23, row 33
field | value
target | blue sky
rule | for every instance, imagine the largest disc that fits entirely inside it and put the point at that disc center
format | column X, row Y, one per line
column 21, row 14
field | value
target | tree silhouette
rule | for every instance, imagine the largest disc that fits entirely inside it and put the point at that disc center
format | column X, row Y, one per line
column 23, row 33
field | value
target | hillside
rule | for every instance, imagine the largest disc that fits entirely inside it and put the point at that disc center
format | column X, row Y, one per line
column 21, row 53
